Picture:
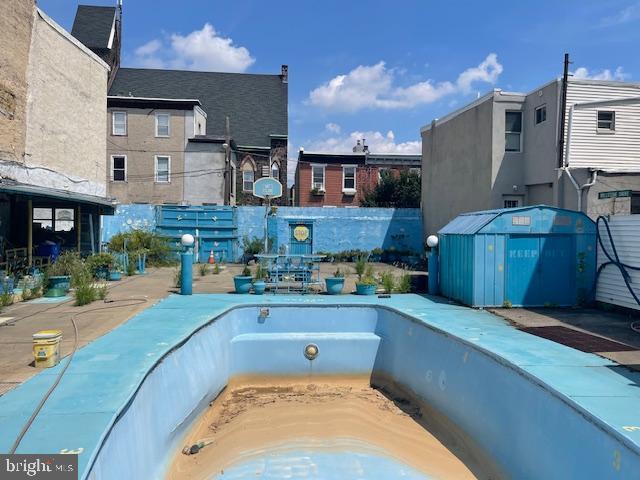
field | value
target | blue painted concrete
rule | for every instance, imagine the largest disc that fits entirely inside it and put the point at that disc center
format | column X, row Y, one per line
column 529, row 256
column 304, row 462
column 334, row 229
column 537, row 408
column 126, row 218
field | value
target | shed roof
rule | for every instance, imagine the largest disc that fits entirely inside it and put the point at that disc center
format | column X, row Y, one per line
column 255, row 104
column 93, row 25
column 472, row 222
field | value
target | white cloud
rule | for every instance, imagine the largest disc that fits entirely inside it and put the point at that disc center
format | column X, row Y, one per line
column 332, row 127
column 374, row 86
column 199, row 50
column 606, row 74
column 378, row 142
column 628, row 14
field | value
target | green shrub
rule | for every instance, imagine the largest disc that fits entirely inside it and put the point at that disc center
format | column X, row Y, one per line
column 101, row 291
column 246, row 271
column 203, row 268
column 67, row 264
column 360, row 266
column 85, row 293
column 154, row 245
column 338, row 273
column 388, row 281
column 216, row 269
column 367, row 280
column 404, row 285
column 100, row 261
column 252, row 247
column 6, row 299
column 261, row 272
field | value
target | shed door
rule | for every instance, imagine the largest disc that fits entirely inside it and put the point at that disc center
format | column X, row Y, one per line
column 301, row 238
column 540, row 270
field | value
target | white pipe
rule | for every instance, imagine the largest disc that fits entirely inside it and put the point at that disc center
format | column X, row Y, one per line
column 579, row 189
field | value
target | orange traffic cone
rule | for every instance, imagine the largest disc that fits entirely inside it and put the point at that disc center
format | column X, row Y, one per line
column 212, row 259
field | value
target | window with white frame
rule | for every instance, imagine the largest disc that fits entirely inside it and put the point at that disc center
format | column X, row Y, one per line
column 348, row 178
column 511, row 202
column 541, row 114
column 119, row 123
column 317, row 177
column 513, row 131
column 119, row 168
column 163, row 169
column 275, row 170
column 247, row 180
column 162, row 124
column 606, row 120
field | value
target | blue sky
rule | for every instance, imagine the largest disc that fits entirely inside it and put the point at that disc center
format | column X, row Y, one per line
column 371, row 68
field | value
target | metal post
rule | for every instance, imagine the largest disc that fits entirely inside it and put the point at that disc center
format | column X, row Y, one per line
column 433, row 272
column 186, row 271
column 78, row 232
column 30, row 231
column 266, row 225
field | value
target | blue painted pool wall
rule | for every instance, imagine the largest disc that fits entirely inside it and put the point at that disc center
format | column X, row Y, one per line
column 334, row 229
column 488, row 398
column 127, row 218
column 476, row 269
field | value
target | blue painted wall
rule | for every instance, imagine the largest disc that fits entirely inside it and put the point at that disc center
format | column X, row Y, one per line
column 127, row 218
column 334, row 229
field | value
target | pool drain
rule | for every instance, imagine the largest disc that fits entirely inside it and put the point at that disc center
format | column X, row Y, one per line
column 311, row 351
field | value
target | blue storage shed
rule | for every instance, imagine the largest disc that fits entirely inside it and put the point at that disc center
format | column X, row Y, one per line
column 526, row 256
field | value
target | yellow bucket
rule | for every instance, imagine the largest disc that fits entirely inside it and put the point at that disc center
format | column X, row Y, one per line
column 46, row 348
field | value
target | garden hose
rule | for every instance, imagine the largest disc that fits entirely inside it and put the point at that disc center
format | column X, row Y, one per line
column 131, row 302
column 615, row 260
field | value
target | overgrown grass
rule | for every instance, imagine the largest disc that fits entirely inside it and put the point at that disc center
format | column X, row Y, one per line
column 154, row 245
column 404, row 285
column 388, row 281
column 203, row 269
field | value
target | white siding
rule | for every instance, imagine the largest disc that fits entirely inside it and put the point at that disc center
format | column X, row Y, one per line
column 590, row 149
column 625, row 230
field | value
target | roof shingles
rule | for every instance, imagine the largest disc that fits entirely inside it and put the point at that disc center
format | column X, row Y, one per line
column 255, row 104
column 93, row 25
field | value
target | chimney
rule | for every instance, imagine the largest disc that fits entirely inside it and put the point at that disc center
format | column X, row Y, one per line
column 284, row 73
column 365, row 147
column 357, row 148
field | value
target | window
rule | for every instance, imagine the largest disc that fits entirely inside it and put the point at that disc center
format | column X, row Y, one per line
column 162, row 124
column 511, row 202
column 348, row 178
column 163, row 169
column 513, row 131
column 247, row 180
column 56, row 219
column 382, row 172
column 118, row 168
column 119, row 123
column 317, row 177
column 275, row 170
column 606, row 121
column 541, row 114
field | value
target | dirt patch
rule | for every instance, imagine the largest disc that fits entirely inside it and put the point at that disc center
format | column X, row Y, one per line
column 254, row 415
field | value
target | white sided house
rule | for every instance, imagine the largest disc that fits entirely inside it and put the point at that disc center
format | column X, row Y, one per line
column 503, row 150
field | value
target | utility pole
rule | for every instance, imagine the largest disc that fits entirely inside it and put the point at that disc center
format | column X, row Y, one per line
column 227, row 164
column 563, row 110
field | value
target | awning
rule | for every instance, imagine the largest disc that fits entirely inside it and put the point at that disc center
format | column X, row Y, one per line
column 9, row 186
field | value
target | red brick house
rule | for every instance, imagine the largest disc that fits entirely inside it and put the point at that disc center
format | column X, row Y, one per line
column 341, row 179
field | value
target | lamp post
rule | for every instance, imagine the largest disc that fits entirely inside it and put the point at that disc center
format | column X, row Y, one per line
column 432, row 243
column 186, row 264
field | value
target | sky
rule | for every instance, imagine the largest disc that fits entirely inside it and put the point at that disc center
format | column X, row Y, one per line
column 379, row 70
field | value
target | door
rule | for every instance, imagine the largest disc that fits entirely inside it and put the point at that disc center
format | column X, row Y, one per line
column 301, row 238
column 540, row 270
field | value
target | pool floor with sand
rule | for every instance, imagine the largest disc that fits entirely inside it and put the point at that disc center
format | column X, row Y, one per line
column 400, row 387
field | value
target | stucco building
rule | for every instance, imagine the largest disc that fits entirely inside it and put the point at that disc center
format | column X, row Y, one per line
column 342, row 179
column 504, row 150
column 52, row 146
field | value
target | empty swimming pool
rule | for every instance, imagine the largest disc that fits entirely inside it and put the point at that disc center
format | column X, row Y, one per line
column 524, row 407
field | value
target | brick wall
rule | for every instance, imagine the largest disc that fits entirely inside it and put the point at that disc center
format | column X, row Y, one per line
column 16, row 23
column 366, row 179
column 261, row 160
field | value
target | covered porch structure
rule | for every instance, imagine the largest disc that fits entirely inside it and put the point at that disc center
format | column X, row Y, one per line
column 36, row 223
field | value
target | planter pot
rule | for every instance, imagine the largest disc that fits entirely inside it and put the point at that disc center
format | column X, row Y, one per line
column 364, row 289
column 334, row 285
column 62, row 282
column 242, row 283
column 259, row 287
column 114, row 275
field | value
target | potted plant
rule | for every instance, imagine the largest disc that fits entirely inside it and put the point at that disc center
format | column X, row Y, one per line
column 366, row 284
column 335, row 284
column 316, row 191
column 100, row 265
column 259, row 285
column 59, row 273
column 243, row 281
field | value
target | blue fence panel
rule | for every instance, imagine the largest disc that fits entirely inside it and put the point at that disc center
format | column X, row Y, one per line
column 127, row 218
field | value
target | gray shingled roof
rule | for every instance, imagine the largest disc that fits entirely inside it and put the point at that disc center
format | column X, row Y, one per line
column 256, row 104
column 92, row 25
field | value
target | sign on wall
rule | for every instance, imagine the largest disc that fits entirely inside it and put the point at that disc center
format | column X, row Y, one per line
column 301, row 233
